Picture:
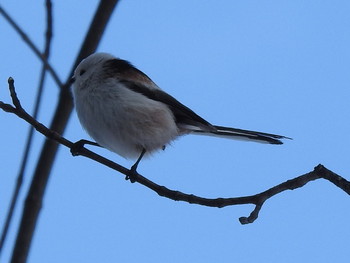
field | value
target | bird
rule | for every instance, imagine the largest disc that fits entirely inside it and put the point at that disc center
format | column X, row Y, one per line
column 124, row 111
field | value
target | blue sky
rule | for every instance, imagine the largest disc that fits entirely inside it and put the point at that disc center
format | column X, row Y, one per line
column 273, row 66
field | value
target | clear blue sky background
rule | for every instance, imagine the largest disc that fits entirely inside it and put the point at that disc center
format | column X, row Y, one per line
column 275, row 66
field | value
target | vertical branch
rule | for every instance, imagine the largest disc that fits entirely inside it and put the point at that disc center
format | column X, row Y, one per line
column 36, row 192
column 20, row 176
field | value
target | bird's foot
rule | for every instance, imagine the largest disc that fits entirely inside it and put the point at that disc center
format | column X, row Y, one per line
column 133, row 174
column 78, row 146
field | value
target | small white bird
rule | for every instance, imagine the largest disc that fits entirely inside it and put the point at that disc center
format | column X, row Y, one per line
column 124, row 111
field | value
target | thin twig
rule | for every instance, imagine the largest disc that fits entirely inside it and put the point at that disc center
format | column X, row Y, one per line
column 258, row 199
column 32, row 46
column 20, row 176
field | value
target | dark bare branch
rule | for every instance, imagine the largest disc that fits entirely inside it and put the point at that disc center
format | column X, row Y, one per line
column 258, row 199
column 62, row 113
column 32, row 46
column 20, row 176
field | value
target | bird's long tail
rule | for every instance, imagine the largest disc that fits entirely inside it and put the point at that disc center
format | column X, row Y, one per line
column 239, row 134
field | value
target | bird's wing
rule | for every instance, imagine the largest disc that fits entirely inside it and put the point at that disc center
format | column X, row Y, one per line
column 139, row 82
column 184, row 116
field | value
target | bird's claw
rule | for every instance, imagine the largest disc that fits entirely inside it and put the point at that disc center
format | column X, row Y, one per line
column 77, row 147
column 132, row 175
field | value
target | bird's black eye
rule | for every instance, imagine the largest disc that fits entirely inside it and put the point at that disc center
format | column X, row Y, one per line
column 82, row 72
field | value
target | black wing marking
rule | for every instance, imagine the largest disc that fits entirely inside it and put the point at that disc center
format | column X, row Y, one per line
column 182, row 114
column 136, row 80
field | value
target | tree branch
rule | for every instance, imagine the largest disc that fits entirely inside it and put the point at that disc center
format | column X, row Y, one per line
column 20, row 176
column 258, row 199
column 62, row 113
column 32, row 46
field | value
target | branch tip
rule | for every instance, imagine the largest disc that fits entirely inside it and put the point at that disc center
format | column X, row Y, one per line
column 253, row 215
column 13, row 94
column 244, row 220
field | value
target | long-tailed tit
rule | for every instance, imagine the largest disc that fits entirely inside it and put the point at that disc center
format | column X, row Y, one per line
column 124, row 111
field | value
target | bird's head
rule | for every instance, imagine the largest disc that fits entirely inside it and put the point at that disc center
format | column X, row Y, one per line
column 90, row 69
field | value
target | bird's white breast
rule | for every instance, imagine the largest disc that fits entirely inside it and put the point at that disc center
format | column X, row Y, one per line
column 123, row 121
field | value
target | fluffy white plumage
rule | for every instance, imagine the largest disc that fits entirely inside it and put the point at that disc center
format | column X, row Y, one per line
column 124, row 111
